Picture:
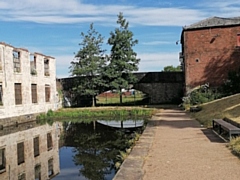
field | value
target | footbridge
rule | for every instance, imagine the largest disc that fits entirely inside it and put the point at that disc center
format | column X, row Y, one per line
column 161, row 87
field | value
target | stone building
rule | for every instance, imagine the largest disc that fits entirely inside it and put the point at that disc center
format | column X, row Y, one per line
column 29, row 151
column 210, row 49
column 27, row 83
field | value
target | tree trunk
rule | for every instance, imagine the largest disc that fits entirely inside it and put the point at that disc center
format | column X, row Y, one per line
column 93, row 101
column 120, row 96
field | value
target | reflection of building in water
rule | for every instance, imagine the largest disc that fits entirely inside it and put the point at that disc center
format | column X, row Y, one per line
column 31, row 153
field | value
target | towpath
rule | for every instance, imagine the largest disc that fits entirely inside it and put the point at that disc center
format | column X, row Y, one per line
column 176, row 147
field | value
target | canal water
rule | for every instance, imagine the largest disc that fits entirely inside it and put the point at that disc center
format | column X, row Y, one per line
column 65, row 150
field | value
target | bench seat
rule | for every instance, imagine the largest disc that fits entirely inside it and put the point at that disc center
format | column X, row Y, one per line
column 220, row 125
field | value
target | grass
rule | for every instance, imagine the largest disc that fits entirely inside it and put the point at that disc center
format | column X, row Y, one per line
column 114, row 99
column 226, row 107
column 90, row 114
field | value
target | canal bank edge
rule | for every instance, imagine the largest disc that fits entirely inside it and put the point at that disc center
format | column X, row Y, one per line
column 132, row 167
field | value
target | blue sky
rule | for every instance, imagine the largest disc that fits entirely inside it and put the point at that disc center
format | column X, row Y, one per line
column 53, row 27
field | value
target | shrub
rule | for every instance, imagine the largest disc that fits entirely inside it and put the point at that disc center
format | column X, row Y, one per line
column 201, row 95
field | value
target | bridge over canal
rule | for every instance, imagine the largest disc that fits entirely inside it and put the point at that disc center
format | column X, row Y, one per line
column 161, row 87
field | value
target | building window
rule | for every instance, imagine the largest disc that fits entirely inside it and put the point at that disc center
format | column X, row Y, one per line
column 1, row 95
column 33, row 64
column 20, row 152
column 47, row 93
column 22, row 176
column 34, row 93
column 2, row 160
column 49, row 141
column 36, row 146
column 16, row 61
column 46, row 67
column 50, row 167
column 18, row 93
column 38, row 172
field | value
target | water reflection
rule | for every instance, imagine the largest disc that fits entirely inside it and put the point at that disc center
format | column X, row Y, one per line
column 64, row 150
column 123, row 124
column 90, row 150
column 29, row 151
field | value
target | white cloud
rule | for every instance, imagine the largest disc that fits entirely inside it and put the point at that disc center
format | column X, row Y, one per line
column 156, row 42
column 221, row 8
column 73, row 11
column 149, row 62
column 58, row 11
column 157, row 61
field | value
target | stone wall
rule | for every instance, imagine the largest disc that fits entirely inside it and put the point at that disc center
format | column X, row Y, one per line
column 162, row 87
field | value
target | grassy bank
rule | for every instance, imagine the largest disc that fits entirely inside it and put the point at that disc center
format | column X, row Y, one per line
column 228, row 107
column 98, row 113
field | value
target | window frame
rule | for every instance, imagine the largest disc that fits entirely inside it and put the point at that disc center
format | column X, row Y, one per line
column 47, row 93
column 20, row 153
column 46, row 67
column 16, row 61
column 34, row 93
column 37, row 172
column 36, row 149
column 50, row 167
column 49, row 141
column 3, row 160
column 18, row 93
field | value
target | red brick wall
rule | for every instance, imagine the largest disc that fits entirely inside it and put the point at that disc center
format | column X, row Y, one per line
column 209, row 55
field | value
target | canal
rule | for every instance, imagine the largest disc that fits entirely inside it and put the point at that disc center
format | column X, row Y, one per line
column 66, row 149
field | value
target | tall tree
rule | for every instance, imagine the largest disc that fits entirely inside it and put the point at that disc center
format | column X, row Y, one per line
column 123, row 59
column 89, row 64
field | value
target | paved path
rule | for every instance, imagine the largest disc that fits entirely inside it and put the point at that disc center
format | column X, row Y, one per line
column 175, row 147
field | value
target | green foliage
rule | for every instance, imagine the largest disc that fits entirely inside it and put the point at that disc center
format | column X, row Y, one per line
column 89, row 64
column 123, row 59
column 202, row 95
column 50, row 113
column 232, row 85
column 76, row 113
column 172, row 69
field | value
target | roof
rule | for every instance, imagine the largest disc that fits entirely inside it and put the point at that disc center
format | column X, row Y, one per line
column 214, row 22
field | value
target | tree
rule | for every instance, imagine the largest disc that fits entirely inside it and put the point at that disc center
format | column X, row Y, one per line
column 123, row 59
column 88, row 65
column 172, row 69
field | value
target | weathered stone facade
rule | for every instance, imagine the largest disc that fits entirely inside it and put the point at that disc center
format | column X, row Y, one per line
column 210, row 49
column 43, row 154
column 27, row 82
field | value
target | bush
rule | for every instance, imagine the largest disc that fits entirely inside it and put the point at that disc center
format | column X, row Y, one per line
column 202, row 95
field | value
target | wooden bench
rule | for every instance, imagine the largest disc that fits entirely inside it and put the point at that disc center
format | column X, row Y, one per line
column 220, row 125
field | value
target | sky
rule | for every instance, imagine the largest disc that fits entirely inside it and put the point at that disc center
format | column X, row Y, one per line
column 53, row 27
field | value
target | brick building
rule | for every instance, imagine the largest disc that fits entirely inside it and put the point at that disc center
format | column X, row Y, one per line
column 210, row 49
column 27, row 82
